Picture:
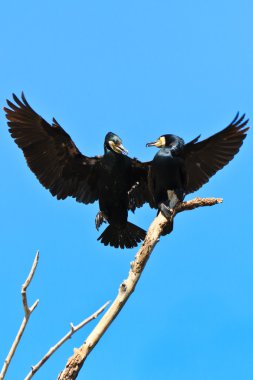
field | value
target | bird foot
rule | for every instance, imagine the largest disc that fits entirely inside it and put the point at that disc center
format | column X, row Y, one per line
column 100, row 219
column 166, row 210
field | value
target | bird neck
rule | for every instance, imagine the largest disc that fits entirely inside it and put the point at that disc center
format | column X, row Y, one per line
column 164, row 152
column 109, row 151
column 174, row 149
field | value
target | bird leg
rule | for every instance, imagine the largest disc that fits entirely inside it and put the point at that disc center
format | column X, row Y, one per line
column 100, row 219
column 174, row 197
column 165, row 209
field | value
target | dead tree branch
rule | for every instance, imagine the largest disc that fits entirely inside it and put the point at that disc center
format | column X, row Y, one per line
column 127, row 287
column 73, row 329
column 28, row 311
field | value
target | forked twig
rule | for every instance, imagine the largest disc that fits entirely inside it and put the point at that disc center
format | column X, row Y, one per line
column 28, row 311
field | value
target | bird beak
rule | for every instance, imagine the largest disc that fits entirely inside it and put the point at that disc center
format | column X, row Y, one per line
column 118, row 148
column 121, row 149
column 159, row 143
column 151, row 144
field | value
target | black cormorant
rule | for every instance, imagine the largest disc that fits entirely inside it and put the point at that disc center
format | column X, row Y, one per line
column 60, row 167
column 179, row 169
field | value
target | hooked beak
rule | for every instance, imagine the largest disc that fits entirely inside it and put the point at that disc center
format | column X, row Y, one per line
column 151, row 144
column 159, row 143
column 118, row 148
column 121, row 149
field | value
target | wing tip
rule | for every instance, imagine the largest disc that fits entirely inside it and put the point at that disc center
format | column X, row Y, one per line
column 23, row 98
column 237, row 125
column 55, row 122
column 15, row 98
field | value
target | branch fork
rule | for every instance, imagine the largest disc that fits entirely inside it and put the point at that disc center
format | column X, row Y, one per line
column 27, row 311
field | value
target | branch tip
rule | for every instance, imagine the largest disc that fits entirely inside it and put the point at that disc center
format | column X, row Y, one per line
column 34, row 306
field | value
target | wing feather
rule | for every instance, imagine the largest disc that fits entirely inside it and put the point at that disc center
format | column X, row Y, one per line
column 140, row 191
column 203, row 159
column 51, row 154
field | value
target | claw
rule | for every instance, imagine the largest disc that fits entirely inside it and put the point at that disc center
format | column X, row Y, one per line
column 100, row 219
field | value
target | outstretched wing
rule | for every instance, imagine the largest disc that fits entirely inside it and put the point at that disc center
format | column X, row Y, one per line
column 203, row 159
column 140, row 191
column 51, row 154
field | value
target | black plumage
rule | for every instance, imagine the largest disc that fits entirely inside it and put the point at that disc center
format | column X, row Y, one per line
column 179, row 169
column 60, row 167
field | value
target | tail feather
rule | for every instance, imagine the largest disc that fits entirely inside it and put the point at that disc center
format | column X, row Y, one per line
column 127, row 237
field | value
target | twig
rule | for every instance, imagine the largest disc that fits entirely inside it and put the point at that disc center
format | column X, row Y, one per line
column 127, row 287
column 28, row 311
column 73, row 329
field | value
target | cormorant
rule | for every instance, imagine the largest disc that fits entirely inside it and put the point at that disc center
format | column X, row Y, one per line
column 179, row 169
column 60, row 167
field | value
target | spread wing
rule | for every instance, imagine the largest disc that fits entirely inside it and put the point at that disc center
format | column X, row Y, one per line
column 51, row 154
column 140, row 191
column 203, row 159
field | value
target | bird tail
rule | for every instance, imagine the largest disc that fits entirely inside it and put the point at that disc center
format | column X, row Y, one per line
column 124, row 237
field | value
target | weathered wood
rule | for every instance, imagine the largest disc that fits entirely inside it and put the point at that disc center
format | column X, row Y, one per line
column 127, row 287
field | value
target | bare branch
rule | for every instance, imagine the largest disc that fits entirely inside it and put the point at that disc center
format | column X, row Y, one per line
column 73, row 329
column 26, row 284
column 28, row 311
column 127, row 287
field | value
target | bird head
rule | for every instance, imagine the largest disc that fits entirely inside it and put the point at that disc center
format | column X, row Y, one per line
column 167, row 141
column 114, row 143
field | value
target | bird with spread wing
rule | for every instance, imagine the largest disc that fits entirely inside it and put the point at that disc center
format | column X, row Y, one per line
column 60, row 167
column 179, row 169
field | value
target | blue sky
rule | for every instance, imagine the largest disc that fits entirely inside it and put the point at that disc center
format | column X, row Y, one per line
column 139, row 69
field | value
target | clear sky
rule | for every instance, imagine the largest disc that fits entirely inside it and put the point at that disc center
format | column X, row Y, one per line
column 139, row 69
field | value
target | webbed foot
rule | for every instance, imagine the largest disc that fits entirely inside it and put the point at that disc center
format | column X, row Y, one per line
column 165, row 210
